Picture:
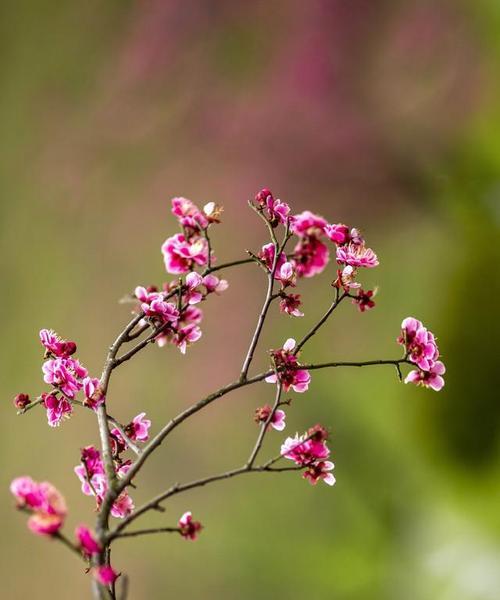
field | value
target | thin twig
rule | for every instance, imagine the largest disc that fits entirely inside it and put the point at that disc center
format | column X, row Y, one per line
column 234, row 263
column 337, row 300
column 264, row 427
column 278, row 249
column 139, row 532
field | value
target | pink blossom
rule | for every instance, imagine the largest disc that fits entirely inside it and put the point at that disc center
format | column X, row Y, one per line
column 105, row 575
column 287, row 374
column 65, row 374
column 304, row 450
column 87, row 541
column 164, row 312
column 58, row 408
column 320, row 470
column 188, row 528
column 431, row 378
column 187, row 335
column 188, row 214
column 192, row 295
column 181, row 255
column 267, row 256
column 45, row 503
column 419, row 342
column 27, row 492
column 90, row 472
column 308, row 224
column 55, row 345
column 357, row 255
column 310, row 257
column 146, row 295
column 215, row 285
column 276, row 211
column 286, row 275
column 93, row 394
column 338, row 233
column 364, row 300
column 138, row 428
column 123, row 506
column 290, row 304
column 346, row 279
column 277, row 420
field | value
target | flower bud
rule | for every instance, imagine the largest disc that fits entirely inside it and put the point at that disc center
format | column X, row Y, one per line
column 21, row 401
column 317, row 433
column 262, row 196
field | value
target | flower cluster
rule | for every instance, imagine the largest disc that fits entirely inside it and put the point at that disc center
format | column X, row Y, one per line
column 310, row 451
column 421, row 349
column 311, row 254
column 184, row 251
column 286, row 368
column 43, row 501
column 178, row 323
column 67, row 376
column 92, row 476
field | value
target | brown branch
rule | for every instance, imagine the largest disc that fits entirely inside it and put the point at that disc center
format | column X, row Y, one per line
column 337, row 300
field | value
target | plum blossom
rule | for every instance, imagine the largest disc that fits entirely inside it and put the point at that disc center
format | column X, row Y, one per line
column 357, row 255
column 188, row 214
column 320, row 470
column 267, row 256
column 276, row 211
column 304, row 450
column 278, row 417
column 421, row 349
column 308, row 224
column 290, row 304
column 65, row 374
column 192, row 295
column 188, row 528
column 123, row 506
column 287, row 373
column 338, row 233
column 87, row 541
column 58, row 408
column 310, row 257
column 54, row 345
column 286, row 275
column 420, row 344
column 92, row 476
column 215, row 285
column 346, row 279
column 187, row 335
column 90, row 472
column 45, row 503
column 93, row 393
column 138, row 428
column 181, row 255
column 364, row 299
column 431, row 378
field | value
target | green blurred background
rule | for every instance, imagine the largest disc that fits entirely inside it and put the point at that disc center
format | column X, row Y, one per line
column 382, row 114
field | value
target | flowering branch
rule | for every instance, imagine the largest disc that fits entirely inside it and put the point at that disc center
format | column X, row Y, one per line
column 171, row 316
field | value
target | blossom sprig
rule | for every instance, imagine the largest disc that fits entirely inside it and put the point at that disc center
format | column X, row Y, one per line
column 171, row 315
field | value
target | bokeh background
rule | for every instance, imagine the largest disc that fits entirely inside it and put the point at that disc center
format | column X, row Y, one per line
column 383, row 114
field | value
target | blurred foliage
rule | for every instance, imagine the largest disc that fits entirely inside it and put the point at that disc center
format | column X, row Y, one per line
column 381, row 114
